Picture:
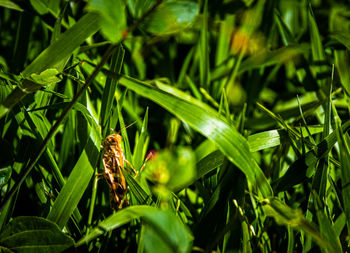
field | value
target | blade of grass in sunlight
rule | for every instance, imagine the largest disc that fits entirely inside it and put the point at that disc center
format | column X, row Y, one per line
column 233, row 145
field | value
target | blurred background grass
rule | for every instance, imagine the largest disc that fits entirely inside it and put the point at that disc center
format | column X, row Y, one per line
column 244, row 105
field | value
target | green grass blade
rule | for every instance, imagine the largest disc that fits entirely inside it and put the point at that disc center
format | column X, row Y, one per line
column 298, row 170
column 141, row 145
column 263, row 59
column 284, row 215
column 344, row 142
column 318, row 54
column 207, row 122
column 110, row 88
column 75, row 186
column 204, row 49
column 57, row 51
column 10, row 5
column 326, row 228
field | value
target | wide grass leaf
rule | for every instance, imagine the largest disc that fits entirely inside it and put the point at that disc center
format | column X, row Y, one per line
column 26, row 234
column 272, row 138
column 206, row 121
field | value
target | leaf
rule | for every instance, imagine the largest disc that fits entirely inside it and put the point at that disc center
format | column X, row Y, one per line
column 205, row 120
column 113, row 19
column 262, row 59
column 171, row 17
column 26, row 234
column 5, row 175
column 344, row 142
column 284, row 215
column 297, row 172
column 110, row 88
column 172, row 169
column 173, row 233
column 65, row 45
column 47, row 77
column 40, row 6
column 54, row 54
column 266, row 139
column 339, row 26
column 75, row 186
column 206, row 165
column 10, row 5
column 164, row 232
column 341, row 37
column 326, row 228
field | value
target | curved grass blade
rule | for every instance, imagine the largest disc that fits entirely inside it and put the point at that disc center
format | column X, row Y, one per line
column 206, row 121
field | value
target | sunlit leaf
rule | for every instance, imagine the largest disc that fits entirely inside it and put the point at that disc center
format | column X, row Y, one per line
column 113, row 19
column 171, row 17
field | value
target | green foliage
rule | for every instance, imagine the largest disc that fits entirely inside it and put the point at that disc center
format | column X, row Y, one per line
column 33, row 234
column 234, row 118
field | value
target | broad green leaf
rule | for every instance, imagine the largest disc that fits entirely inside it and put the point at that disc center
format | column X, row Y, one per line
column 10, row 5
column 26, row 234
column 171, row 17
column 164, row 232
column 266, row 139
column 174, row 234
column 113, row 19
column 206, row 121
column 47, row 77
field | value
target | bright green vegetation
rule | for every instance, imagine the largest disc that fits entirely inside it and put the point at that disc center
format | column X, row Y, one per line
column 245, row 105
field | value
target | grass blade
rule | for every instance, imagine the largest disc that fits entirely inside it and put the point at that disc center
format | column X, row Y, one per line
column 207, row 122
